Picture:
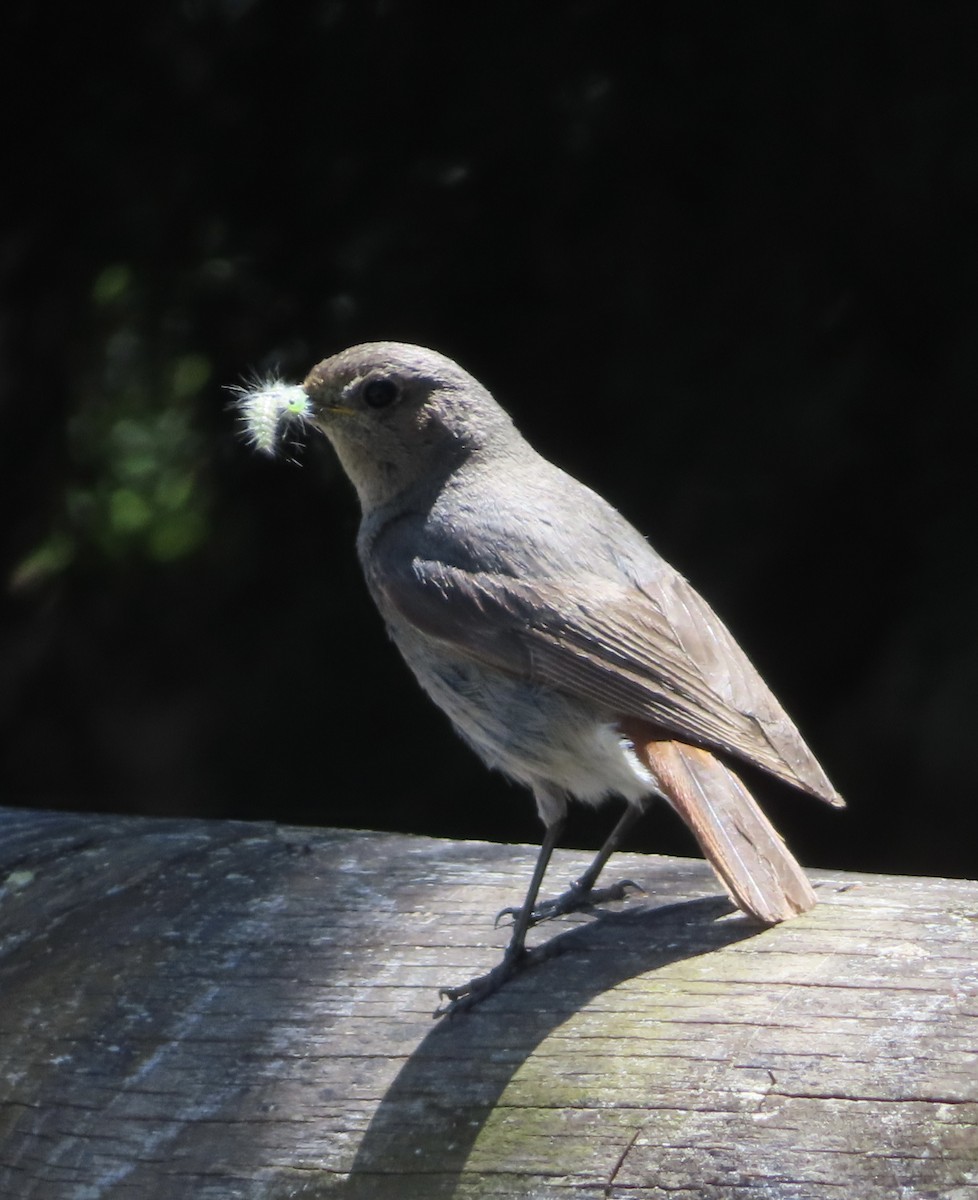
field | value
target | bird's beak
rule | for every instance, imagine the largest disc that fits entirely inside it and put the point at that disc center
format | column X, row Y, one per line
column 325, row 406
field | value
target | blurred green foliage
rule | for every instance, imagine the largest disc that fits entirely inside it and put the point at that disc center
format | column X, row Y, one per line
column 137, row 485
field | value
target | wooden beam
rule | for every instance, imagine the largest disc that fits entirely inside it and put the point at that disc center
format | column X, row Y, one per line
column 231, row 1011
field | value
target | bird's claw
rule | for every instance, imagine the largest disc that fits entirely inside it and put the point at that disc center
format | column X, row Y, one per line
column 574, row 899
column 506, row 912
column 467, row 995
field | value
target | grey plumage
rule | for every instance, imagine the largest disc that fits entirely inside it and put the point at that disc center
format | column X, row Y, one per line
column 563, row 648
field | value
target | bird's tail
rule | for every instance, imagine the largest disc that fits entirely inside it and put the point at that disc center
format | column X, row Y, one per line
column 740, row 843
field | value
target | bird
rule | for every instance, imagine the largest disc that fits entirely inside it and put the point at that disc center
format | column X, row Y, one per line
column 564, row 650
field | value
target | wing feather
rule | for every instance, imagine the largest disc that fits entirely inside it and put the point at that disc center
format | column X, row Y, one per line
column 655, row 651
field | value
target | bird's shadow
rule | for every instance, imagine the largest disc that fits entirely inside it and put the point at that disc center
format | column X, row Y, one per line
column 424, row 1128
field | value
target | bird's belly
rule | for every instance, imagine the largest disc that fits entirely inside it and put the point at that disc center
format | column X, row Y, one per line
column 533, row 734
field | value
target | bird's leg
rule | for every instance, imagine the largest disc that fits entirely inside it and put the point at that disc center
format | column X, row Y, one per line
column 516, row 956
column 582, row 893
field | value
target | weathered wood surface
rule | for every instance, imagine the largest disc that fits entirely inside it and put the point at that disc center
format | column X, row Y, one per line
column 223, row 1010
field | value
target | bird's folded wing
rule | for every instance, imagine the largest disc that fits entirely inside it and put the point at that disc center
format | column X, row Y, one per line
column 656, row 651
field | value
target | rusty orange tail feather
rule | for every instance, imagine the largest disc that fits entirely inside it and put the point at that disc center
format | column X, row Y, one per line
column 740, row 843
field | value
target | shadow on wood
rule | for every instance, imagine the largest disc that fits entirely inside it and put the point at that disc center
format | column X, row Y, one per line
column 221, row 1010
column 440, row 1103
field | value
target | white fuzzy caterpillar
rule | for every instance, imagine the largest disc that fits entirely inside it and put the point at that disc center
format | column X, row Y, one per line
column 266, row 406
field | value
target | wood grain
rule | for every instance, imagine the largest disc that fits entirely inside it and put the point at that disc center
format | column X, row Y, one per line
column 229, row 1011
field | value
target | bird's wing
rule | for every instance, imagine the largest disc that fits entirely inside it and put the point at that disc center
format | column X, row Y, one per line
column 656, row 652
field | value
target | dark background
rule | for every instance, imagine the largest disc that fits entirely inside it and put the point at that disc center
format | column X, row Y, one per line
column 720, row 264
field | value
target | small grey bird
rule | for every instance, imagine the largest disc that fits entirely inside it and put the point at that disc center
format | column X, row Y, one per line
column 563, row 649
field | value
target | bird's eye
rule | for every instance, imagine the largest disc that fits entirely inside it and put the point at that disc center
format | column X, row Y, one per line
column 379, row 393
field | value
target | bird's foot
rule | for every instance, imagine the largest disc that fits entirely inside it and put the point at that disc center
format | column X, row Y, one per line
column 577, row 897
column 469, row 994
